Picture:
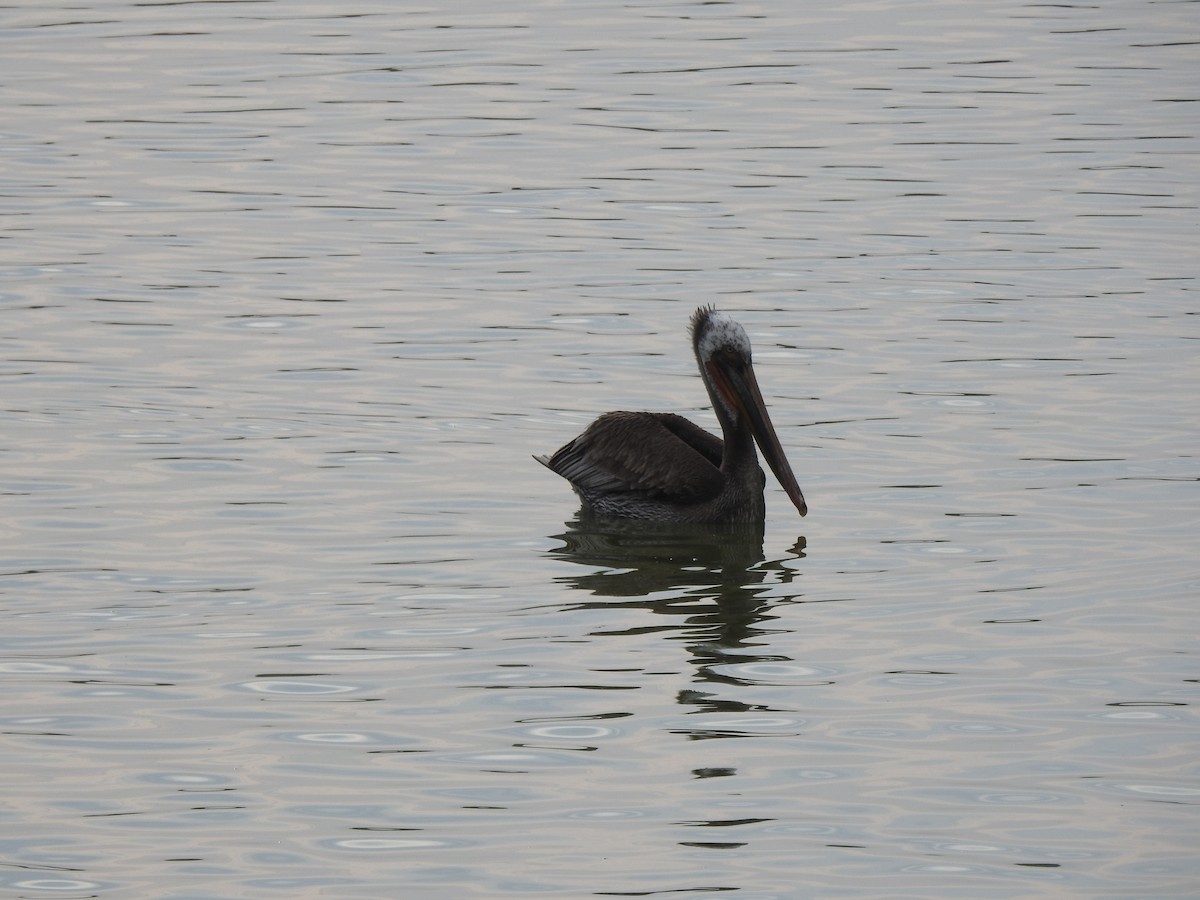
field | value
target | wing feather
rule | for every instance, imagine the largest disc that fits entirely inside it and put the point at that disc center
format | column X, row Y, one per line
column 658, row 455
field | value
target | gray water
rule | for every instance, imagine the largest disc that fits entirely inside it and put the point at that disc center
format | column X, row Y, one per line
column 291, row 292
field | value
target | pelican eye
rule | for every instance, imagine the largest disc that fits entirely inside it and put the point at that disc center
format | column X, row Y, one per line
column 732, row 358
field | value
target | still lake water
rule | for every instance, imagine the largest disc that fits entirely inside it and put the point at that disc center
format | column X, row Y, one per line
column 291, row 292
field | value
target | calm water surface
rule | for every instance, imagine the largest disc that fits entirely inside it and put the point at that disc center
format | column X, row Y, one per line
column 291, row 292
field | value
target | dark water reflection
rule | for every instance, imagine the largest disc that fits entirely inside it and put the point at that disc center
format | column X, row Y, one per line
column 711, row 581
column 646, row 558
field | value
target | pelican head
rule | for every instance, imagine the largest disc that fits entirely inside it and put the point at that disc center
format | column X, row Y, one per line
column 722, row 350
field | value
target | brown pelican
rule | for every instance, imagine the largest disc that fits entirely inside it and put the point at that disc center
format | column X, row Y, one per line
column 661, row 467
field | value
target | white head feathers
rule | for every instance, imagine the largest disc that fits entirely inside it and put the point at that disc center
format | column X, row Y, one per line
column 713, row 331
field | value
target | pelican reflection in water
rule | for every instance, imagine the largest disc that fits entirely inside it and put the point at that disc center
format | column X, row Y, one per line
column 660, row 467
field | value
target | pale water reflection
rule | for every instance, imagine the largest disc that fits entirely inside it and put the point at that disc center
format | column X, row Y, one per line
column 290, row 294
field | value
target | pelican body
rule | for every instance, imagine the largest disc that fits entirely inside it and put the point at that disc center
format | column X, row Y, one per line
column 660, row 467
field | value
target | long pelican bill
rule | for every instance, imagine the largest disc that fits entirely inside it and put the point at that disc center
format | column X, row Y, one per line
column 740, row 387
